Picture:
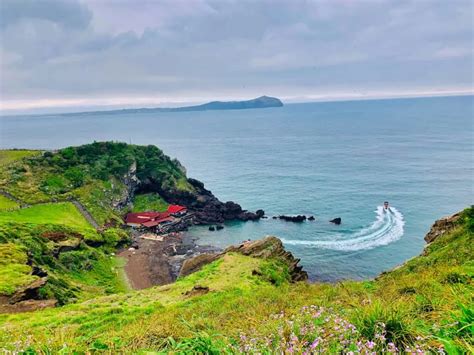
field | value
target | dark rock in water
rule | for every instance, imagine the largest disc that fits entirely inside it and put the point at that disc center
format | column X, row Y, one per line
column 298, row 218
column 260, row 213
column 212, row 228
column 274, row 217
column 337, row 220
column 219, row 227
column 248, row 216
column 311, row 218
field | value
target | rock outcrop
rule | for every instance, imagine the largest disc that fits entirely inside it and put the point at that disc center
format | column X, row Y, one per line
column 298, row 218
column 267, row 248
column 337, row 220
column 206, row 207
column 28, row 292
column 196, row 263
column 442, row 226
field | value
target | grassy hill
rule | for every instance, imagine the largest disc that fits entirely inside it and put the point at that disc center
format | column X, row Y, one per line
column 99, row 175
column 235, row 304
column 63, row 213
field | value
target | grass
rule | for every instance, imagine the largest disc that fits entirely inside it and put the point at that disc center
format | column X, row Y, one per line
column 79, row 273
column 149, row 202
column 98, row 197
column 7, row 204
column 9, row 156
column 414, row 306
column 64, row 213
column 14, row 271
column 92, row 174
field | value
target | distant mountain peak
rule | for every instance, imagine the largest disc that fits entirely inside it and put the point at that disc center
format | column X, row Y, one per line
column 259, row 102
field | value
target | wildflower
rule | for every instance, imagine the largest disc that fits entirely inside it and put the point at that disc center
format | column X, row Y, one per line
column 370, row 344
column 314, row 344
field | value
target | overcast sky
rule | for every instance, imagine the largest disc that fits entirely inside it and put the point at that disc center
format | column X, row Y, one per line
column 71, row 53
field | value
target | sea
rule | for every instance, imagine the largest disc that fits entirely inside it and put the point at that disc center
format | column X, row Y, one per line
column 326, row 159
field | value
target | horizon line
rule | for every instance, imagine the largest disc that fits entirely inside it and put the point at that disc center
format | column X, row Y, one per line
column 300, row 99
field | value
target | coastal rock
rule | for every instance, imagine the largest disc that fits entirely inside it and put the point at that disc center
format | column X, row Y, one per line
column 206, row 207
column 311, row 218
column 442, row 226
column 271, row 247
column 298, row 218
column 212, row 228
column 337, row 220
column 219, row 227
column 267, row 248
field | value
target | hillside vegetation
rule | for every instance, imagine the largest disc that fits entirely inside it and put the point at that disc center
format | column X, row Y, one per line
column 244, row 304
column 99, row 175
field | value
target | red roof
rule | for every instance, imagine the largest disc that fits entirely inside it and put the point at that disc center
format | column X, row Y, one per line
column 176, row 208
column 143, row 217
column 157, row 222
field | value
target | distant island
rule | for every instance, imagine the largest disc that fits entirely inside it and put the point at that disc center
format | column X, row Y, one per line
column 259, row 102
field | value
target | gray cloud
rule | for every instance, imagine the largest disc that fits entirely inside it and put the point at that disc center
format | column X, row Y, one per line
column 191, row 49
column 67, row 14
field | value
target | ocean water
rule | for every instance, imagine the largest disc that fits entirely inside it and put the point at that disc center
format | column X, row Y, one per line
column 339, row 159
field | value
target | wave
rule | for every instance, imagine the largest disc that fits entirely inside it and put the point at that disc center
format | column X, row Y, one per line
column 387, row 228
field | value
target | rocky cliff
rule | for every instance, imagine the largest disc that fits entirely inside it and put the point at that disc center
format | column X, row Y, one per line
column 206, row 207
column 442, row 226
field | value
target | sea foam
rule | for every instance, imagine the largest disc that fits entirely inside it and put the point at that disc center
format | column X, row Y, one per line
column 387, row 228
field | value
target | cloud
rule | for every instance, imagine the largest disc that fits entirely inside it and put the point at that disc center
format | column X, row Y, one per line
column 185, row 49
column 67, row 14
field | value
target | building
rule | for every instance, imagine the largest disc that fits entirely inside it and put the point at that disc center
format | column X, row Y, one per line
column 147, row 219
column 177, row 210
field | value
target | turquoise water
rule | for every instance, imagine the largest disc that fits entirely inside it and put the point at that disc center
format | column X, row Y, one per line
column 340, row 159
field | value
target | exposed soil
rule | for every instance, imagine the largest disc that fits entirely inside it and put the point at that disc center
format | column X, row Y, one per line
column 158, row 262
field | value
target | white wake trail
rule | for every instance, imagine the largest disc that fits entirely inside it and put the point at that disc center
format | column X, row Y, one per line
column 387, row 228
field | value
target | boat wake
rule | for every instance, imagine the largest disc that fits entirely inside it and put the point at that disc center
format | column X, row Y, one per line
column 387, row 228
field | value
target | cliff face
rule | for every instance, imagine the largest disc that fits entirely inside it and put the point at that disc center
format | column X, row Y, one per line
column 206, row 207
column 442, row 226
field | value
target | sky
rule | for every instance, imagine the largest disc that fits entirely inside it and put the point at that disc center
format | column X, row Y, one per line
column 78, row 54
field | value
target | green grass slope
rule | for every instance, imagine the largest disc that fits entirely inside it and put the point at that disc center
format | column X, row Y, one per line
column 7, row 204
column 64, row 213
column 94, row 174
column 9, row 156
column 75, row 269
column 424, row 305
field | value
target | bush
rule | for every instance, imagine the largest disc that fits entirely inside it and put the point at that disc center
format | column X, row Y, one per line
column 114, row 236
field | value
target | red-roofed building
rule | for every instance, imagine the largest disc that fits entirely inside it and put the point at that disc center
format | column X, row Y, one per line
column 143, row 219
column 177, row 210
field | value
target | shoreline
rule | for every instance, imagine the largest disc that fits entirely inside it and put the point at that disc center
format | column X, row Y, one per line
column 157, row 261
